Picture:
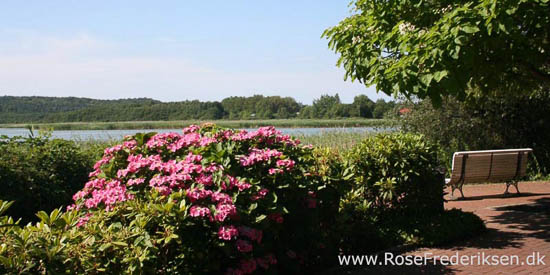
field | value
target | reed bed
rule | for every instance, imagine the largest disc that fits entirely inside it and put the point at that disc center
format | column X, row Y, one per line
column 286, row 123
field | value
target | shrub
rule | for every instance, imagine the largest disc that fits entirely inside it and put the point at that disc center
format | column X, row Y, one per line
column 396, row 177
column 207, row 200
column 39, row 173
column 397, row 172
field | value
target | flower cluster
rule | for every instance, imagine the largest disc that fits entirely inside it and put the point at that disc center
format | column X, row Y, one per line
column 221, row 190
column 406, row 27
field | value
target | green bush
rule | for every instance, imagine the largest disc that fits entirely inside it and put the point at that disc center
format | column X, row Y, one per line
column 209, row 200
column 39, row 173
column 397, row 172
column 396, row 177
column 239, row 203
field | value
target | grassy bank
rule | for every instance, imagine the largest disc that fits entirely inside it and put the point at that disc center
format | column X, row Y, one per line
column 287, row 123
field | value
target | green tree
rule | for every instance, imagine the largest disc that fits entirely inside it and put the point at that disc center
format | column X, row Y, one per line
column 362, row 106
column 322, row 106
column 445, row 47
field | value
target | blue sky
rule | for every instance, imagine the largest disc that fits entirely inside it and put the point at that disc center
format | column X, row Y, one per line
column 171, row 50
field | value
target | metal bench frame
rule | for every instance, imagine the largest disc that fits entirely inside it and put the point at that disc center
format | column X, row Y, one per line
column 513, row 180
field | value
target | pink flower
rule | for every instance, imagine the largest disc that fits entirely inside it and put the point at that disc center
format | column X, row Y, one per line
column 102, row 161
column 261, row 194
column 227, row 232
column 221, row 198
column 112, row 150
column 257, row 155
column 234, row 182
column 107, row 193
column 198, row 194
column 286, row 163
column 83, row 220
column 224, row 210
column 204, row 179
column 131, row 144
column 205, row 141
column 243, row 185
column 80, row 194
column 273, row 171
column 243, row 246
column 137, row 181
column 199, row 211
column 163, row 190
column 94, row 173
column 191, row 129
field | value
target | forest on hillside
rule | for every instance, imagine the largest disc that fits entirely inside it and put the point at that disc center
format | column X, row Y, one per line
column 35, row 109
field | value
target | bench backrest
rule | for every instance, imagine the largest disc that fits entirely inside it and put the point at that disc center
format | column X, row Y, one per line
column 489, row 165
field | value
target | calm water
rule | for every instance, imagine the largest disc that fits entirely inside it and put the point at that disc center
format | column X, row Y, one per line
column 119, row 134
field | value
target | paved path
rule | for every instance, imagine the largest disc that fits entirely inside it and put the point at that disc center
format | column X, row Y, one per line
column 517, row 225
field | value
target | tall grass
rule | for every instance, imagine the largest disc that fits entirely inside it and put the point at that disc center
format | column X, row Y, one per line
column 340, row 141
column 286, row 123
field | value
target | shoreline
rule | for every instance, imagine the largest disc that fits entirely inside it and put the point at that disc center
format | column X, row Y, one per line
column 144, row 125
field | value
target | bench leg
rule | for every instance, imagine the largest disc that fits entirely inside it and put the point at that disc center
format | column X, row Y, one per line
column 514, row 183
column 459, row 187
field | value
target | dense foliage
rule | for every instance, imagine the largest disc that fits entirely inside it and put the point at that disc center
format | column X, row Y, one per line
column 197, row 202
column 71, row 109
column 213, row 200
column 39, row 173
column 261, row 107
column 434, row 48
column 398, row 172
column 498, row 122
column 397, row 182
column 328, row 106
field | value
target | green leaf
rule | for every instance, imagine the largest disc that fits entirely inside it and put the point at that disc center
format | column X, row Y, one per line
column 43, row 216
column 120, row 243
column 470, row 29
column 426, row 79
column 260, row 218
column 460, row 40
column 440, row 75
column 105, row 246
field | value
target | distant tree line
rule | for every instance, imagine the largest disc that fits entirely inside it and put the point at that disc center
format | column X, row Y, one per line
column 72, row 109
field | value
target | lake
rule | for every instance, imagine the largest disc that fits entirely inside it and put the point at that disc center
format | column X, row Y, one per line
column 119, row 134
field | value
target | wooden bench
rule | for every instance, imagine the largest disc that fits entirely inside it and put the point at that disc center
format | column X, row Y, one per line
column 488, row 166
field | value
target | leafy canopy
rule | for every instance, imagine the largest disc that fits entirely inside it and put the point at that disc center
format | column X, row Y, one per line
column 429, row 49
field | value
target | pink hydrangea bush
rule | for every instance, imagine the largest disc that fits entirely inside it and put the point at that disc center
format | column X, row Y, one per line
column 245, row 200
